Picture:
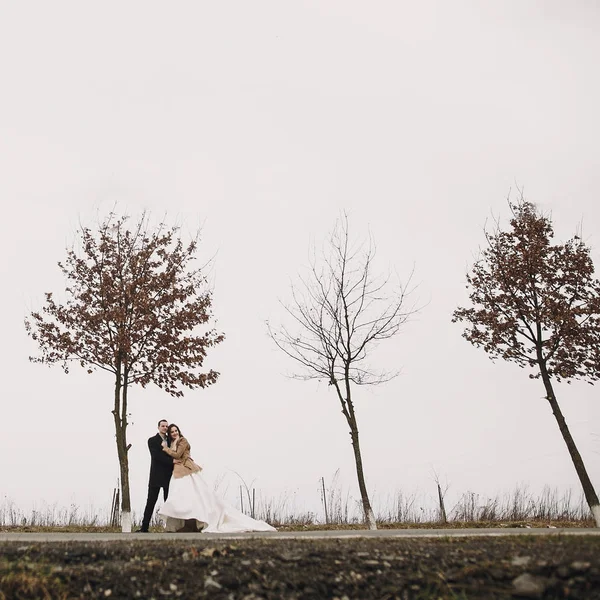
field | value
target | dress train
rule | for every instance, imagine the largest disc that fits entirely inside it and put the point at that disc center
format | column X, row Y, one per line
column 191, row 498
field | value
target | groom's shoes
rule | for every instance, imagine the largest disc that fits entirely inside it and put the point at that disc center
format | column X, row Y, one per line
column 141, row 530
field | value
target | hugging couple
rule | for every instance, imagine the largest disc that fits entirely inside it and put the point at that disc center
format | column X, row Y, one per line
column 190, row 505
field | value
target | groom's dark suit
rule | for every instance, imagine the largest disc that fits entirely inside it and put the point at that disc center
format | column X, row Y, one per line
column 161, row 468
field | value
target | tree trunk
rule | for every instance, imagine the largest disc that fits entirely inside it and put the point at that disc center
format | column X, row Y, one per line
column 369, row 516
column 120, row 419
column 348, row 412
column 443, row 517
column 586, row 484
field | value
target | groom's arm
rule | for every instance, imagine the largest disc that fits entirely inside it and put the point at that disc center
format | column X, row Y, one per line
column 155, row 447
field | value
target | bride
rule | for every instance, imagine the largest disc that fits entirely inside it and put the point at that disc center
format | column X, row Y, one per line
column 191, row 505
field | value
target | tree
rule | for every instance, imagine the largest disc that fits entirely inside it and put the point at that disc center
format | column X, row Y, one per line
column 537, row 303
column 133, row 307
column 340, row 313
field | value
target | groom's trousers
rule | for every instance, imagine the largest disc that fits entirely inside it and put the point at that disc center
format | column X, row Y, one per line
column 153, row 492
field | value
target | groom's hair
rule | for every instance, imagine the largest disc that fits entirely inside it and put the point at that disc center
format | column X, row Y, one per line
column 162, row 421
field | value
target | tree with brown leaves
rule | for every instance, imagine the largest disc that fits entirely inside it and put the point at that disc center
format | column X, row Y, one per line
column 537, row 303
column 133, row 308
column 340, row 313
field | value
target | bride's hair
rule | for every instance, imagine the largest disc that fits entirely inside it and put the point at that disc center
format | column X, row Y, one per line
column 173, row 425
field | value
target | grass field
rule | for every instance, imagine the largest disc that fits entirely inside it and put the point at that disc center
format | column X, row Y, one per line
column 518, row 508
column 252, row 569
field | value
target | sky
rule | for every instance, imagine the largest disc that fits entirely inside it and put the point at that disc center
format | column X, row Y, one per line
column 260, row 123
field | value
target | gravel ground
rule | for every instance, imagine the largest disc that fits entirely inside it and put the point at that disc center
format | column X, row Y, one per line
column 355, row 568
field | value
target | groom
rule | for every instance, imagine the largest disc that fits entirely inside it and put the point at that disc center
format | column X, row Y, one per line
column 161, row 467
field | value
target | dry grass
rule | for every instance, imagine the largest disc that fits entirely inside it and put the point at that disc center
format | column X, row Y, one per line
column 517, row 509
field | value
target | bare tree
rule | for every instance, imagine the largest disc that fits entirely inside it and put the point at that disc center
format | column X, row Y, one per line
column 538, row 304
column 443, row 518
column 133, row 308
column 339, row 314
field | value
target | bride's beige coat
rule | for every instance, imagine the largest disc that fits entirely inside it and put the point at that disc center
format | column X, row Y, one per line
column 181, row 451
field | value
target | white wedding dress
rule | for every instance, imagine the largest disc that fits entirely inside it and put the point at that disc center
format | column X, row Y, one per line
column 191, row 498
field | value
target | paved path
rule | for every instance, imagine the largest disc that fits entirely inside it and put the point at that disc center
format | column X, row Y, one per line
column 282, row 535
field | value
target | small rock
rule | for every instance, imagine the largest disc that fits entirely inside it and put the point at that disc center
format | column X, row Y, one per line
column 529, row 586
column 210, row 552
column 289, row 557
column 520, row 561
column 185, row 557
column 172, row 587
column 563, row 571
column 580, row 566
column 210, row 583
column 108, row 593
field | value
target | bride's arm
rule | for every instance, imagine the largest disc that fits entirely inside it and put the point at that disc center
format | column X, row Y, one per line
column 179, row 450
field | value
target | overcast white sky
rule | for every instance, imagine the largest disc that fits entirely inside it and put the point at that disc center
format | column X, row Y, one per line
column 262, row 121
